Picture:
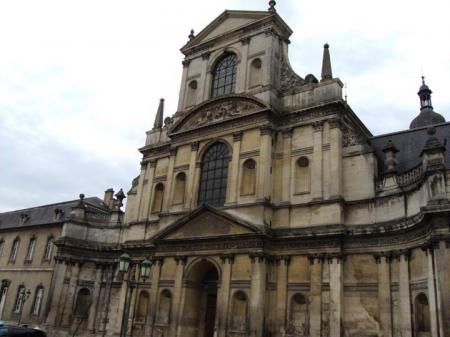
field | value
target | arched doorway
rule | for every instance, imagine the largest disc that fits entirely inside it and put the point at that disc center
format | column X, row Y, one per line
column 200, row 300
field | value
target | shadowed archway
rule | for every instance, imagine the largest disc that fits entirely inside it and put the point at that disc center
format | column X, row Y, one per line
column 200, row 299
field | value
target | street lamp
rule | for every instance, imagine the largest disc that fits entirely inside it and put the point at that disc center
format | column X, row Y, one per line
column 124, row 265
column 23, row 297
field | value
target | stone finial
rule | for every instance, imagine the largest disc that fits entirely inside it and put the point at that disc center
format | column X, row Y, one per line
column 191, row 35
column 326, row 63
column 272, row 4
column 159, row 115
column 390, row 162
column 81, row 201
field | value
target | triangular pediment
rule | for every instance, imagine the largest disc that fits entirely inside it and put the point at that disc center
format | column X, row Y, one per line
column 218, row 110
column 206, row 222
column 232, row 21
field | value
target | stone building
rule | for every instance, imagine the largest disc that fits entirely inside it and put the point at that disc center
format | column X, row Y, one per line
column 267, row 208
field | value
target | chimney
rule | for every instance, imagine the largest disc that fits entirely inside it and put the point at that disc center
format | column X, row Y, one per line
column 108, row 198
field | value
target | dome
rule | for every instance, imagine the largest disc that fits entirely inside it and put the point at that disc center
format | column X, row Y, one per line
column 426, row 117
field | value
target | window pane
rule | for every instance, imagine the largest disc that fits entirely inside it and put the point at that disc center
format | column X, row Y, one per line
column 224, row 77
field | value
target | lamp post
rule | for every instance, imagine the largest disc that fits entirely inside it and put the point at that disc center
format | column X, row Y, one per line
column 124, row 266
column 23, row 297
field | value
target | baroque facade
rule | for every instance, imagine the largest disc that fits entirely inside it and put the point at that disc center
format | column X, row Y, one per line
column 266, row 208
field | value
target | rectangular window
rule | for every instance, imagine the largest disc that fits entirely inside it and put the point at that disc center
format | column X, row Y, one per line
column 14, row 249
column 19, row 300
column 48, row 249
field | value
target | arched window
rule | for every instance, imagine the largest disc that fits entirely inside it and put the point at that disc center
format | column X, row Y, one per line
column 302, row 175
column 239, row 312
column 224, row 76
column 255, row 72
column 14, row 250
column 422, row 313
column 214, row 174
column 180, row 189
column 48, row 248
column 142, row 306
column 83, row 303
column 158, row 198
column 165, row 304
column 248, row 177
column 30, row 250
column 19, row 299
column 38, row 297
column 298, row 320
column 3, row 292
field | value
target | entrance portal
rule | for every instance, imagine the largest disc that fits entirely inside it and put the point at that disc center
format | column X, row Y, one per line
column 200, row 305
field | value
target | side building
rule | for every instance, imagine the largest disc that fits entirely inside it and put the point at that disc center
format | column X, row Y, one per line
column 28, row 254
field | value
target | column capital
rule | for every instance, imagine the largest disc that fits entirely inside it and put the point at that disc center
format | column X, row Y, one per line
column 185, row 62
column 173, row 151
column 387, row 256
column 338, row 257
column 317, row 125
column 206, row 55
column 398, row 254
column 316, row 258
column 180, row 260
column 194, row 146
column 286, row 259
column 245, row 40
column 287, row 133
column 258, row 256
column 227, row 258
column 430, row 245
column 158, row 260
column 152, row 163
column 237, row 136
column 265, row 130
column 335, row 123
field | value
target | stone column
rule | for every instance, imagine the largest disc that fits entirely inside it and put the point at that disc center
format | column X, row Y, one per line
column 123, row 298
column 241, row 81
column 196, row 184
column 257, row 294
column 234, row 169
column 177, row 291
column 336, row 295
column 57, row 286
column 168, row 188
column 442, row 266
column 265, row 164
column 183, row 84
column 144, row 201
column 317, row 162
column 384, row 294
column 405, row 295
column 335, row 159
column 315, row 294
column 286, row 172
column 191, row 175
column 282, row 281
column 153, row 305
column 93, row 310
column 227, row 262
column 71, row 294
column 108, row 276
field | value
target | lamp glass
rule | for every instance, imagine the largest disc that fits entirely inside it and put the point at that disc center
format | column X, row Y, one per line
column 124, row 262
column 145, row 268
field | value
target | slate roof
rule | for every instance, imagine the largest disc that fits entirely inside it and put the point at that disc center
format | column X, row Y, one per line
column 42, row 215
column 410, row 144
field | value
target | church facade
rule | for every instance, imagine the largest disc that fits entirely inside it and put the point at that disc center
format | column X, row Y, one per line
column 266, row 208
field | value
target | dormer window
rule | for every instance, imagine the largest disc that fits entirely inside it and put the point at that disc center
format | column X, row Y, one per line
column 224, row 75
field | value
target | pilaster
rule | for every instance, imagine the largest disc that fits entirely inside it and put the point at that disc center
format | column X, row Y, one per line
column 227, row 264
column 57, row 286
column 336, row 295
column 234, row 169
column 317, row 162
column 156, row 272
column 177, row 292
column 93, row 310
column 405, row 295
column 70, row 296
column 257, row 294
column 384, row 293
column 191, row 175
column 168, row 187
column 282, row 279
column 265, row 164
column 335, row 158
column 144, row 200
column 315, row 293
column 286, row 170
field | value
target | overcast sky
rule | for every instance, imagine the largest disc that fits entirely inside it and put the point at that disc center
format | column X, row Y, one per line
column 80, row 80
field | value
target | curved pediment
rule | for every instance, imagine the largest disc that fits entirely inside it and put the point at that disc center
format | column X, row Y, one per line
column 218, row 110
